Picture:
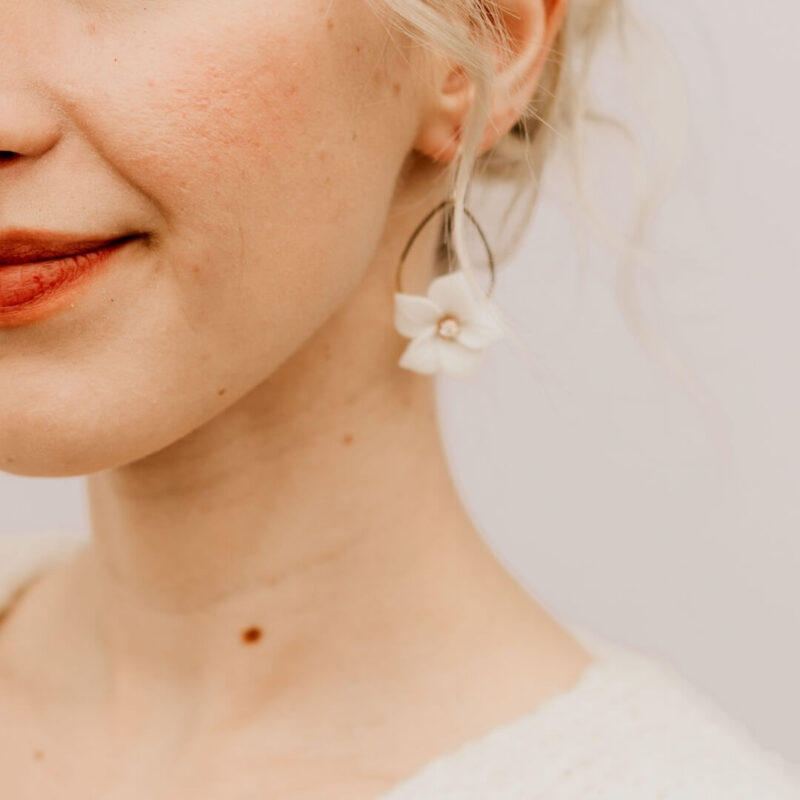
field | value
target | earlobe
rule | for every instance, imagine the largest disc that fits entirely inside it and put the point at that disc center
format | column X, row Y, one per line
column 531, row 27
column 440, row 136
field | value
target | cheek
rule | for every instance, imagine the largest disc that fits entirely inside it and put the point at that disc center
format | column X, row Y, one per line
column 206, row 116
column 269, row 140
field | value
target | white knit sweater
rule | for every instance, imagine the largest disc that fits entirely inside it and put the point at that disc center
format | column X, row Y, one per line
column 631, row 729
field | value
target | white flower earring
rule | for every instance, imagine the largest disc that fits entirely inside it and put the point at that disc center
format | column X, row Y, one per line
column 450, row 326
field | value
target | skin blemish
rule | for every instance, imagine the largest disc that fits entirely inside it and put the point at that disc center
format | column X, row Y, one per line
column 348, row 438
column 329, row 24
column 221, row 391
column 396, row 88
column 38, row 755
column 251, row 634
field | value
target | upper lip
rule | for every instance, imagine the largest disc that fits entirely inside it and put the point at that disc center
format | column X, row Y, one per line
column 28, row 247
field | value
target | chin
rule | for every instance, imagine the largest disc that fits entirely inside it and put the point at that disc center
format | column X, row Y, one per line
column 58, row 443
column 54, row 450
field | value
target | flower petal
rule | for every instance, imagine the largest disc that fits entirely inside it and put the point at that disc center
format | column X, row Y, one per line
column 421, row 354
column 414, row 314
column 457, row 359
column 453, row 294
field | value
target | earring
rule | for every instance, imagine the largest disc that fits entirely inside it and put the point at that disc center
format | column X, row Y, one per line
column 450, row 326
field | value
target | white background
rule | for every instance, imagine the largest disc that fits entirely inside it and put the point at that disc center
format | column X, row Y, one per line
column 594, row 475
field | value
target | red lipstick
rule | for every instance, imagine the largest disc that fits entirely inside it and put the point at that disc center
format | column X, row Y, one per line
column 40, row 272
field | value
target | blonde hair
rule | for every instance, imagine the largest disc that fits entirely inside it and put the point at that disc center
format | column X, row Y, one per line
column 468, row 32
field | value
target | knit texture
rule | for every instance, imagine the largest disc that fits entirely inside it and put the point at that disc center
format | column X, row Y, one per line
column 631, row 728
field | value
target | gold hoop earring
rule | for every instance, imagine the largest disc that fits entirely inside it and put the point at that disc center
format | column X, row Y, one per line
column 448, row 203
column 451, row 325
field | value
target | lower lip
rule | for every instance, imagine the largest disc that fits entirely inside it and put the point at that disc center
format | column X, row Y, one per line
column 29, row 292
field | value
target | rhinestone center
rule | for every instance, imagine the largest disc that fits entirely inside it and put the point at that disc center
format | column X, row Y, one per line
column 448, row 327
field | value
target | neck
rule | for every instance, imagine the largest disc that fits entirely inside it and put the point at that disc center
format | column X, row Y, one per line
column 274, row 544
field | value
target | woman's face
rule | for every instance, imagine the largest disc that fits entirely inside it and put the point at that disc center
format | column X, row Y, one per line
column 254, row 144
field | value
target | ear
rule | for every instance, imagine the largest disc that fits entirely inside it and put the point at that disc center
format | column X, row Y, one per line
column 531, row 26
